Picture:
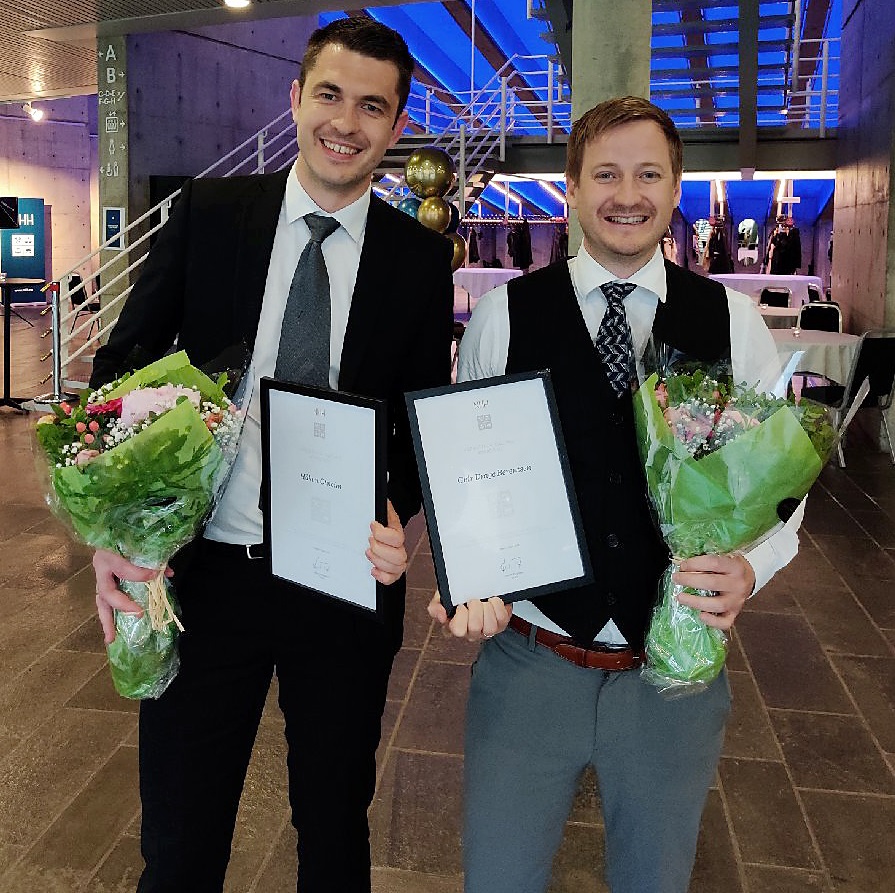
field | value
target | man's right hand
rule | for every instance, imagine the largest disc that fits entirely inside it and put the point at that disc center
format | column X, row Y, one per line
column 109, row 568
column 474, row 621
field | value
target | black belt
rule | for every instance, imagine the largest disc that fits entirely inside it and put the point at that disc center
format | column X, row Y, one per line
column 596, row 657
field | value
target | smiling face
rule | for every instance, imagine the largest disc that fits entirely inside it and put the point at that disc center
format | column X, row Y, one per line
column 625, row 195
column 345, row 120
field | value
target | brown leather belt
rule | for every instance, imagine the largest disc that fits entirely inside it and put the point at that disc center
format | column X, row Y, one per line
column 606, row 658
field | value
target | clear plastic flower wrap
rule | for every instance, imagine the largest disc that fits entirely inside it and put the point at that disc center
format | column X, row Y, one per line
column 136, row 468
column 722, row 461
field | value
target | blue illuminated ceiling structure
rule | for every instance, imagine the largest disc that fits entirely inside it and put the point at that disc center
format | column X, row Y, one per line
column 694, row 71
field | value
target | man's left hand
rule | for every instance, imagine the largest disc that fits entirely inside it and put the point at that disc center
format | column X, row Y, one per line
column 730, row 576
column 386, row 550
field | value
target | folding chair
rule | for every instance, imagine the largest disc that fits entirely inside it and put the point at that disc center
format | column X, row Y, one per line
column 77, row 292
column 822, row 316
column 814, row 293
column 775, row 296
column 875, row 361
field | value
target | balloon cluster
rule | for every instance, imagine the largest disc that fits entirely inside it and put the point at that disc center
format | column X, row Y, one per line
column 430, row 173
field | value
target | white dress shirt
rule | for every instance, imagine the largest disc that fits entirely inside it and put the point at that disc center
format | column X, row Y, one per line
column 485, row 347
column 238, row 518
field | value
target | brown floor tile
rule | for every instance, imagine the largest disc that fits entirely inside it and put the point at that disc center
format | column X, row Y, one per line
column 120, row 871
column 586, row 805
column 89, row 826
column 417, row 622
column 776, row 597
column 442, row 645
column 879, row 527
column 389, row 720
column 767, row 879
column 38, row 779
column 831, row 752
column 855, row 834
column 871, row 681
column 790, row 667
column 415, row 819
column 280, row 869
column 578, row 865
column 436, row 711
column 86, row 637
column 766, row 818
column 15, row 519
column 876, row 597
column 715, row 867
column 402, row 673
column 824, row 515
column 98, row 693
column 31, row 698
column 810, row 567
column 263, row 808
column 854, row 555
column 749, row 733
column 421, row 573
column 839, row 623
column 390, row 880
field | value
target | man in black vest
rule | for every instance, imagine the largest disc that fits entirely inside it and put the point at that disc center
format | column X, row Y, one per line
column 559, row 689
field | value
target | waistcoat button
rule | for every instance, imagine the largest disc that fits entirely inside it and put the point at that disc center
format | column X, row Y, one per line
column 610, row 598
column 612, row 541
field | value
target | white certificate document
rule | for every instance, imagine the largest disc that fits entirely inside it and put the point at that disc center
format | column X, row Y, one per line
column 502, row 516
column 324, row 478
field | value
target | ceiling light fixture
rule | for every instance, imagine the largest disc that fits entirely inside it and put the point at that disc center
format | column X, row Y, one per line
column 237, row 4
column 36, row 114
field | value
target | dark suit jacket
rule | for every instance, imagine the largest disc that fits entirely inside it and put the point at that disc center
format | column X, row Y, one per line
column 203, row 284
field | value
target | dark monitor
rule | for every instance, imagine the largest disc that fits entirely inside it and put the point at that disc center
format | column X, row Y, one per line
column 9, row 213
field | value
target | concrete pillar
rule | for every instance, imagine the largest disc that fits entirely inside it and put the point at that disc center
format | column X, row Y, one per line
column 610, row 57
column 112, row 129
column 863, row 272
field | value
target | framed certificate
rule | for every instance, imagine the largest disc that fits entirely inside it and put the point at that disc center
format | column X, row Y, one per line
column 324, row 481
column 502, row 514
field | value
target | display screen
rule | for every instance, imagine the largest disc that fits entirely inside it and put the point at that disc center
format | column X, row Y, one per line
column 9, row 213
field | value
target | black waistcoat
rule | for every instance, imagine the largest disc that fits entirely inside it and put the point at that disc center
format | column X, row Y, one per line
column 547, row 331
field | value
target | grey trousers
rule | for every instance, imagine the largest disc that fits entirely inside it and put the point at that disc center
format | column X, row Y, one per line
column 535, row 722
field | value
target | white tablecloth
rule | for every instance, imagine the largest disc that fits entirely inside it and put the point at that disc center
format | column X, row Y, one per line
column 827, row 353
column 752, row 283
column 478, row 280
column 779, row 317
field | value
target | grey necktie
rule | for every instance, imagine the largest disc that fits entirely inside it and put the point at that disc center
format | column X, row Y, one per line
column 614, row 338
column 303, row 354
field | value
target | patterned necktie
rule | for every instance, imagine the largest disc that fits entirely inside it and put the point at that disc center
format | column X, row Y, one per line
column 614, row 338
column 304, row 336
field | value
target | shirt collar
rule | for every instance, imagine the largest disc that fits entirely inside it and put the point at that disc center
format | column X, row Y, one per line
column 352, row 218
column 588, row 275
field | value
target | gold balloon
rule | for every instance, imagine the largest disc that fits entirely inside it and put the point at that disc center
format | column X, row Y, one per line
column 429, row 172
column 434, row 213
column 459, row 250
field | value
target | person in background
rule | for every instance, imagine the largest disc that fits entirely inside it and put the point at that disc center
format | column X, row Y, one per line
column 556, row 686
column 221, row 273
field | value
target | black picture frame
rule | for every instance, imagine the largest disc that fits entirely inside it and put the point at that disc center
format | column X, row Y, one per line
column 378, row 408
column 435, row 538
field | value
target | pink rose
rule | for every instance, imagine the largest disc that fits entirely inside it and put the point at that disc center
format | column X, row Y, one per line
column 138, row 404
column 112, row 406
column 85, row 456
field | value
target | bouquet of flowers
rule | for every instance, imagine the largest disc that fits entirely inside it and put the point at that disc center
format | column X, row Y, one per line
column 722, row 463
column 135, row 468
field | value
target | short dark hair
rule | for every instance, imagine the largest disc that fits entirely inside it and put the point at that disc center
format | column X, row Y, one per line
column 613, row 113
column 369, row 38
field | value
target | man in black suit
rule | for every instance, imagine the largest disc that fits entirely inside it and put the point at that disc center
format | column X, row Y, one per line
column 220, row 275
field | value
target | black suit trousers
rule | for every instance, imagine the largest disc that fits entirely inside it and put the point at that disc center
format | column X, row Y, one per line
column 332, row 664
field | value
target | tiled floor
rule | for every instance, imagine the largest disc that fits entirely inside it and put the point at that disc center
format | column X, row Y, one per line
column 805, row 796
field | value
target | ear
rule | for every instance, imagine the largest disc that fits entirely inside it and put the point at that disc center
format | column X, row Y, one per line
column 677, row 192
column 572, row 194
column 398, row 128
column 295, row 99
